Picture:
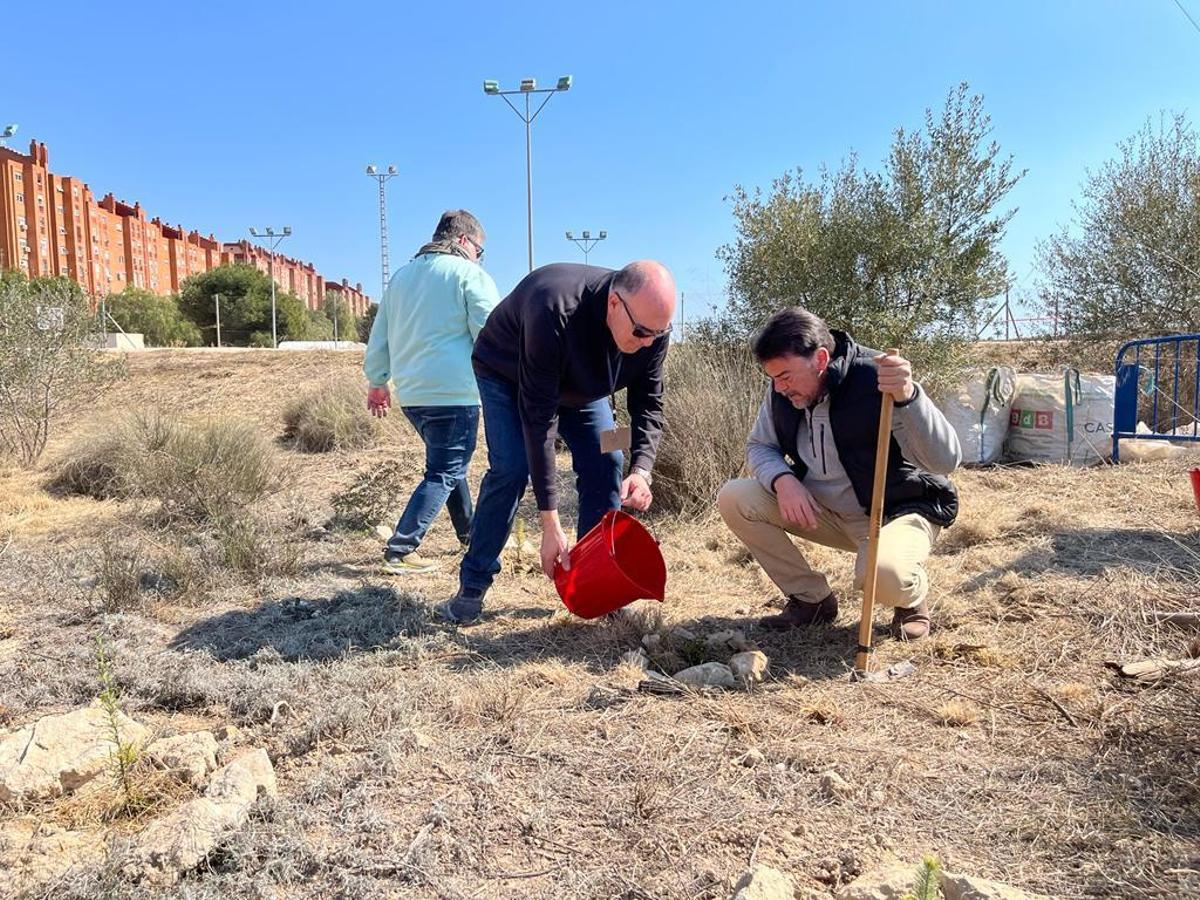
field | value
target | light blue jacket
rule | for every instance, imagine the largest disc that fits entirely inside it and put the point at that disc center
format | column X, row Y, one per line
column 425, row 329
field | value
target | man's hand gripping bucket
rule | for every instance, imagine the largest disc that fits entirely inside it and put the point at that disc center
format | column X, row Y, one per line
column 615, row 563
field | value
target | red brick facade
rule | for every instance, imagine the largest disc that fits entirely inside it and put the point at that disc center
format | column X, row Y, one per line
column 52, row 225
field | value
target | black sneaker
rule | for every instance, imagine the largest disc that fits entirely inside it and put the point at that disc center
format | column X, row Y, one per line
column 799, row 613
column 464, row 608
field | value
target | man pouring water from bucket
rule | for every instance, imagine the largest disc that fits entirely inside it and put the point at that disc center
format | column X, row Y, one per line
column 547, row 361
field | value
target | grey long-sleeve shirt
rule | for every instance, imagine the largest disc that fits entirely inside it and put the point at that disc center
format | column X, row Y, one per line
column 925, row 438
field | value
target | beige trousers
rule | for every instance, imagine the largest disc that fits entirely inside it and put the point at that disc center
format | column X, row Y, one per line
column 752, row 513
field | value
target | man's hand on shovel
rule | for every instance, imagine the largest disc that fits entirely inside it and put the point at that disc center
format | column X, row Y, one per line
column 895, row 376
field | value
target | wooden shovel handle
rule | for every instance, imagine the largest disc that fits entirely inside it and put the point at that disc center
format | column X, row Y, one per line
column 862, row 659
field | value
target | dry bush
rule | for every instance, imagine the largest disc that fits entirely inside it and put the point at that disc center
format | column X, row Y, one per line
column 254, row 548
column 370, row 498
column 330, row 418
column 710, row 401
column 197, row 472
column 120, row 576
column 208, row 471
column 105, row 464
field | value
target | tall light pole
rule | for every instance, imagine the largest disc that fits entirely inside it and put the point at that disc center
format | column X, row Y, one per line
column 274, row 238
column 382, row 178
column 9, row 131
column 586, row 242
column 528, row 88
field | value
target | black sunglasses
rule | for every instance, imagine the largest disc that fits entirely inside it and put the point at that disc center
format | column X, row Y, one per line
column 639, row 330
column 478, row 247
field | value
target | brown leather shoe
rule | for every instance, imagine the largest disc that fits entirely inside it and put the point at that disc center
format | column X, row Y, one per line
column 798, row 613
column 911, row 624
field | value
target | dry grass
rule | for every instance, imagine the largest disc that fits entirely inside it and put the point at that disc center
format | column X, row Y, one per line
column 958, row 713
column 710, row 402
column 514, row 760
column 330, row 417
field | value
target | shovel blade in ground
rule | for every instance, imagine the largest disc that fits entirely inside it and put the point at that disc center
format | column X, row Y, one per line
column 894, row 672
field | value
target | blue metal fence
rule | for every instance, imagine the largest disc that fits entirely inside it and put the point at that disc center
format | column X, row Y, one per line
column 1162, row 391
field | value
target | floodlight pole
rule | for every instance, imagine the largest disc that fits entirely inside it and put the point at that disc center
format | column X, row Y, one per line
column 528, row 88
column 275, row 238
column 586, row 242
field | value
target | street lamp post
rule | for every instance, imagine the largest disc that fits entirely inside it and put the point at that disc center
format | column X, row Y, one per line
column 274, row 238
column 382, row 178
column 586, row 242
column 528, row 88
column 9, row 131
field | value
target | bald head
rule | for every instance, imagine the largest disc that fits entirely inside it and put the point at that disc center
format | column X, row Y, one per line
column 648, row 291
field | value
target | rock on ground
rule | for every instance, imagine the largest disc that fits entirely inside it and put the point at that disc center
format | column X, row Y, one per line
column 191, row 756
column 636, row 658
column 834, row 786
column 58, row 754
column 967, row 887
column 764, row 883
column 886, row 883
column 711, row 674
column 730, row 639
column 34, row 853
column 182, row 840
column 749, row 667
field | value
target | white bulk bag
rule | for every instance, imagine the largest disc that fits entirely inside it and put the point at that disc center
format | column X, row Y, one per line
column 1064, row 418
column 979, row 410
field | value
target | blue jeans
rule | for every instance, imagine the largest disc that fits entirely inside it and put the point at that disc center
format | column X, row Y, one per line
column 449, row 434
column 597, row 475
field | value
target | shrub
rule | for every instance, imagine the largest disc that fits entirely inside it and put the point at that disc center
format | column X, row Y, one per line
column 252, row 547
column 199, row 472
column 207, row 471
column 46, row 328
column 325, row 419
column 710, row 401
column 105, row 464
column 120, row 575
column 370, row 498
column 155, row 317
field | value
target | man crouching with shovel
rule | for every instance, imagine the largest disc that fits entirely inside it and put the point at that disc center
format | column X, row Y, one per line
column 812, row 454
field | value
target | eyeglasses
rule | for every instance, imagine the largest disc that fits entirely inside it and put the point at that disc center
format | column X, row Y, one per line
column 639, row 330
column 478, row 247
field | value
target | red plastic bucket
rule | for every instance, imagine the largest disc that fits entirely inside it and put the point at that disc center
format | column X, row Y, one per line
column 1195, row 473
column 615, row 563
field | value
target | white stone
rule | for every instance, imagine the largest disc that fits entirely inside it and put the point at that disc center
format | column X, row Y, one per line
column 749, row 667
column 712, row 674
column 764, row 883
column 191, row 755
column 637, row 658
column 752, row 758
column 33, row 853
column 834, row 786
column 383, row 531
column 681, row 635
column 967, row 887
column 730, row 639
column 228, row 734
column 886, row 883
column 182, row 840
column 58, row 754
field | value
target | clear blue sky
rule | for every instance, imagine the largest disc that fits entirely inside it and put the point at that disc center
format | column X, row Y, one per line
column 224, row 115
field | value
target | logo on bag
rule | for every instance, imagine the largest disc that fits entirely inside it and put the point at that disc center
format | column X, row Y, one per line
column 1042, row 419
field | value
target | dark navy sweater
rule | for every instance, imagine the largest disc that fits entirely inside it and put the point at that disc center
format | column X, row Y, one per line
column 550, row 338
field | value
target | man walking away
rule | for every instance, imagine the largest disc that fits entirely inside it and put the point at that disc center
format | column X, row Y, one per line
column 421, row 341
